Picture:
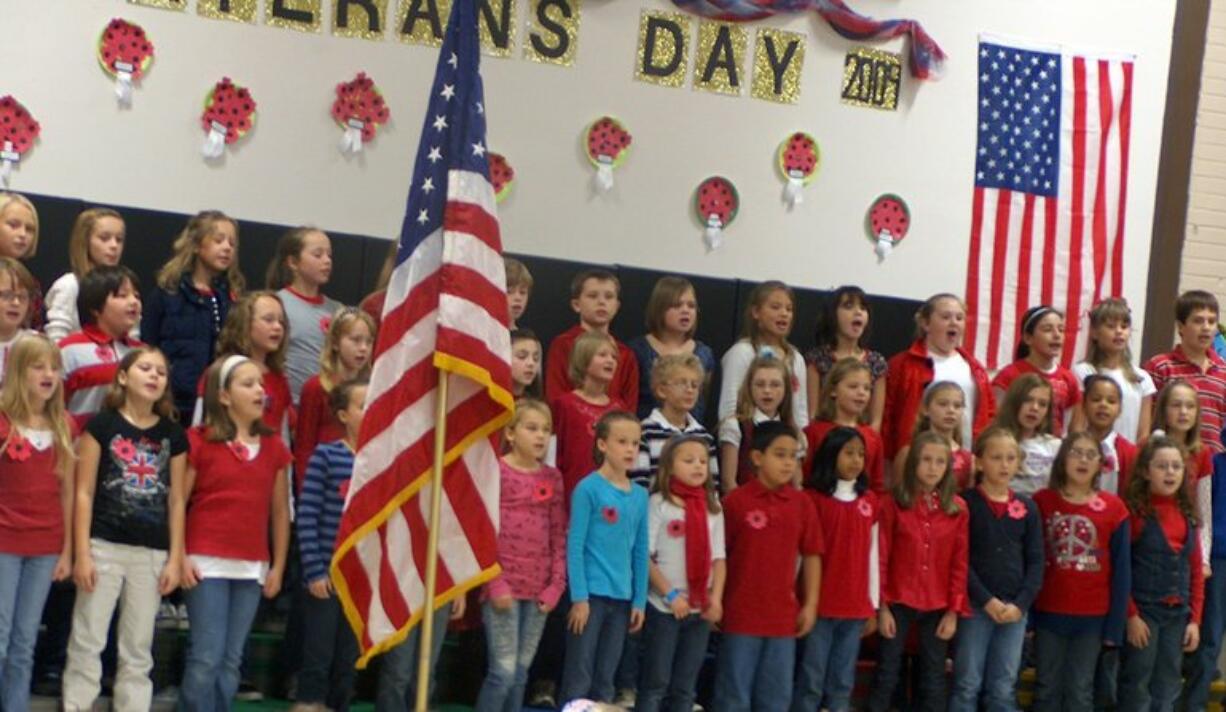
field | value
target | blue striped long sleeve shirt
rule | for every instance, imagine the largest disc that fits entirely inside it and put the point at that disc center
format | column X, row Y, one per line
column 320, row 505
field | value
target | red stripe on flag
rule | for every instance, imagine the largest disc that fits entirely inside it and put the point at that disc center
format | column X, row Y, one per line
column 476, row 522
column 350, row 567
column 1077, row 227
column 394, row 606
column 472, row 219
column 420, row 301
column 1004, row 203
column 1100, row 182
column 417, row 523
column 1021, row 302
column 1050, row 214
column 972, row 271
column 472, row 285
column 1117, row 251
column 474, row 349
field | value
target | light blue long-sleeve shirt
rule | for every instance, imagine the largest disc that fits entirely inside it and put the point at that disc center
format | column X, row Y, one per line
column 606, row 547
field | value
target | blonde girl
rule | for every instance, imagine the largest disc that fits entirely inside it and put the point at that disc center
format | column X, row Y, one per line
column 195, row 291
column 97, row 239
column 1108, row 353
column 769, row 317
column 763, row 395
column 1177, row 415
column 36, row 461
column 1026, row 412
column 941, row 411
column 128, row 530
column 19, row 241
column 348, row 346
column 299, row 271
column 846, row 397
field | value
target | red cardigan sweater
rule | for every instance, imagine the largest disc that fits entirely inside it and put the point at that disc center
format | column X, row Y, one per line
column 910, row 373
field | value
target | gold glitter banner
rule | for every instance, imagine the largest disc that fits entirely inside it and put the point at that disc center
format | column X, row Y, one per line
column 496, row 25
column 236, row 10
column 553, row 31
column 778, row 58
column 359, row 19
column 719, row 57
column 422, row 21
column 871, row 77
column 165, row 4
column 301, row 15
column 663, row 54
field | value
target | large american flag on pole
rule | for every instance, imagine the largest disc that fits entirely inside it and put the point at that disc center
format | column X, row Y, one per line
column 1051, row 182
column 445, row 316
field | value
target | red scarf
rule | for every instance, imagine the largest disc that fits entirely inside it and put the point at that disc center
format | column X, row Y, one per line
column 697, row 541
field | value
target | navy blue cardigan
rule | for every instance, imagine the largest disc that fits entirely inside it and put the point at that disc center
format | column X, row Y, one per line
column 1006, row 554
column 184, row 324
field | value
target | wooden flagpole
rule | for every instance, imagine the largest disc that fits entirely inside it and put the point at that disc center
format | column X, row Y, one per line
column 436, row 507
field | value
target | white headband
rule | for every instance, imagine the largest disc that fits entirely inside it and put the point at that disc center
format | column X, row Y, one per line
column 228, row 366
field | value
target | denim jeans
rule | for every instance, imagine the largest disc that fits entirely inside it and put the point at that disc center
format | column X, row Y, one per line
column 1064, row 671
column 397, row 690
column 671, row 662
column 592, row 656
column 754, row 673
column 24, row 582
column 1203, row 662
column 629, row 669
column 987, row 658
column 220, row 612
column 329, row 652
column 931, row 660
column 827, row 668
column 511, row 637
column 1151, row 676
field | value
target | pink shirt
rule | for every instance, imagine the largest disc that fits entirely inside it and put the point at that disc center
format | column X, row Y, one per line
column 531, row 536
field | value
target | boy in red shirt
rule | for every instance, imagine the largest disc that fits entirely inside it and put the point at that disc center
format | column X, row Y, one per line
column 595, row 297
column 1194, row 360
column 769, row 524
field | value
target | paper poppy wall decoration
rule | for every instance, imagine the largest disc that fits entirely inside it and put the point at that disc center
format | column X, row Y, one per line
column 359, row 109
column 229, row 113
column 18, row 131
column 608, row 142
column 717, row 203
column 888, row 221
column 125, row 52
column 798, row 159
column 502, row 175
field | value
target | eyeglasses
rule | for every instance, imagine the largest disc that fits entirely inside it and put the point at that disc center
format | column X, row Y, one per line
column 1084, row 454
column 18, row 297
column 686, row 385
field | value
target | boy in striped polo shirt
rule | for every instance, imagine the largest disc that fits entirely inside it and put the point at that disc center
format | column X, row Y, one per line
column 676, row 381
column 329, row 648
column 109, row 305
column 1194, row 360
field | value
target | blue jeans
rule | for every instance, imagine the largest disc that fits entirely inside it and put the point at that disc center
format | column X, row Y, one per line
column 397, row 690
column 1213, row 622
column 24, row 583
column 986, row 660
column 754, row 673
column 220, row 612
column 1151, row 676
column 827, row 668
column 592, row 656
column 672, row 661
column 511, row 636
column 1064, row 671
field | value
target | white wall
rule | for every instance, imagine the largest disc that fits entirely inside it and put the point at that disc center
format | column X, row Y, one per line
column 288, row 170
column 1204, row 247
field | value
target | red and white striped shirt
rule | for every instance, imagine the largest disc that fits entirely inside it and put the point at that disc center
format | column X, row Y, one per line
column 91, row 358
column 1210, row 386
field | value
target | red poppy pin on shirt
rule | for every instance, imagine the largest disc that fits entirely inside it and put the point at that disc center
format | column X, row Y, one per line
column 609, row 514
column 1016, row 509
column 123, row 449
column 756, row 519
column 18, row 448
column 240, row 450
column 676, row 528
column 325, row 322
column 1097, row 503
column 543, row 491
column 105, row 353
column 865, row 507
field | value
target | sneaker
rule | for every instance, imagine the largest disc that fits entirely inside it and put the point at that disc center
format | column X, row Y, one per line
column 624, row 698
column 542, row 695
column 248, row 692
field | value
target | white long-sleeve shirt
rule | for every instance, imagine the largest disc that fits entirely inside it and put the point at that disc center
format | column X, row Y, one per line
column 735, row 364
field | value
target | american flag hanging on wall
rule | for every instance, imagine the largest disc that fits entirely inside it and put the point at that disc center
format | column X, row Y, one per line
column 1051, row 180
column 445, row 316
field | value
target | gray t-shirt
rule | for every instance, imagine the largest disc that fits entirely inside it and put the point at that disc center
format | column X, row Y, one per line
column 308, row 322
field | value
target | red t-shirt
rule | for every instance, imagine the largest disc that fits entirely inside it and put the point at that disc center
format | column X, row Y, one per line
column 766, row 531
column 574, row 426
column 1065, row 390
column 231, row 503
column 316, row 424
column 874, row 451
column 623, row 388
column 847, row 528
column 1077, row 562
column 31, row 516
column 924, row 555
